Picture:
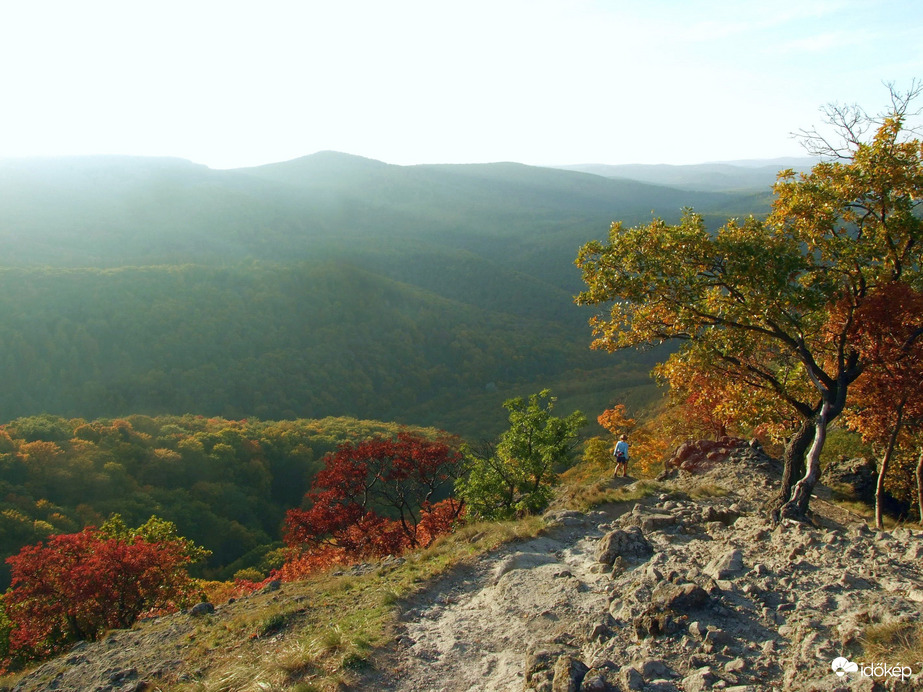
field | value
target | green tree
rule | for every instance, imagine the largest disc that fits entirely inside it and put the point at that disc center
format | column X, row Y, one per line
column 6, row 627
column 154, row 530
column 518, row 474
column 776, row 300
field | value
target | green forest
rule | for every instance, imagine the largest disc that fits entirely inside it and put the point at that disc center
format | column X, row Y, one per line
column 271, row 341
column 226, row 484
column 327, row 286
column 189, row 343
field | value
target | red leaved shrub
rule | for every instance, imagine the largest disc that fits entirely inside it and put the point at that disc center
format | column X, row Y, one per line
column 374, row 499
column 76, row 586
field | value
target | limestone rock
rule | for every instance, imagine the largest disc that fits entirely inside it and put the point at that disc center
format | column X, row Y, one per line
column 602, row 678
column 631, row 678
column 700, row 680
column 679, row 598
column 568, row 674
column 628, row 543
column 539, row 670
column 727, row 565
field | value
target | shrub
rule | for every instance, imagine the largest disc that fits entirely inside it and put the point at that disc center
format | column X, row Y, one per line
column 518, row 475
column 76, row 586
column 377, row 498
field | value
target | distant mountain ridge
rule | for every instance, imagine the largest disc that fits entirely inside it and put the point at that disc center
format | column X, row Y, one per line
column 751, row 174
column 477, row 261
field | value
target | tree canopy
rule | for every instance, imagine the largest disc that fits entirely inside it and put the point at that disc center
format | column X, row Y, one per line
column 518, row 473
column 773, row 302
column 378, row 497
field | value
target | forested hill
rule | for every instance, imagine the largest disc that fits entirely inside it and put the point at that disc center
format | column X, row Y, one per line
column 328, row 285
column 755, row 174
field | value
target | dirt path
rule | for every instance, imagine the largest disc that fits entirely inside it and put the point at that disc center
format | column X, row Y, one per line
column 474, row 629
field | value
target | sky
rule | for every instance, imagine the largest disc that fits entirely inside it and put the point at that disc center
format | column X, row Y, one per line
column 233, row 84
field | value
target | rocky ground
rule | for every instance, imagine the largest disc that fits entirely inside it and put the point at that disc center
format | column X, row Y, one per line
column 689, row 588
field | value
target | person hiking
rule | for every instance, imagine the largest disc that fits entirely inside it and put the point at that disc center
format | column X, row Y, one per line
column 620, row 452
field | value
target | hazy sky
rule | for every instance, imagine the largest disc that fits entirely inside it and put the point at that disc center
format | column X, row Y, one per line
column 229, row 83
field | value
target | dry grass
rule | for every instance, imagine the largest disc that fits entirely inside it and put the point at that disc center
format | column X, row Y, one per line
column 865, row 511
column 894, row 643
column 327, row 636
column 588, row 488
column 589, row 484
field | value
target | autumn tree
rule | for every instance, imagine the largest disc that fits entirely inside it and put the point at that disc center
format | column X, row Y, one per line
column 767, row 288
column 887, row 406
column 379, row 497
column 616, row 420
column 75, row 586
column 761, row 391
column 517, row 475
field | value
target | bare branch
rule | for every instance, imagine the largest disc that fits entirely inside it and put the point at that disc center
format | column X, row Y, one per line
column 848, row 124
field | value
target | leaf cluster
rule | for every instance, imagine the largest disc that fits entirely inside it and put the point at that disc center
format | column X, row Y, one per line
column 75, row 586
column 378, row 497
column 517, row 475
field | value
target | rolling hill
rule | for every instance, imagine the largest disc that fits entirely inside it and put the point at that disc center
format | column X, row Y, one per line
column 756, row 175
column 327, row 285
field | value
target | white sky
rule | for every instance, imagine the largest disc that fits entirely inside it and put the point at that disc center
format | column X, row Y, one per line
column 230, row 83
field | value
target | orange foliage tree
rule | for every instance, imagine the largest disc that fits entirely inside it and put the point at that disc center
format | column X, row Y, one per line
column 887, row 407
column 756, row 295
column 616, row 420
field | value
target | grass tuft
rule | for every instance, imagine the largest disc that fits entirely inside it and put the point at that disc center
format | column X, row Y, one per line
column 897, row 643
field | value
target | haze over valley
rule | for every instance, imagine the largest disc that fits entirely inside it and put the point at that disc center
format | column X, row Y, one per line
column 327, row 285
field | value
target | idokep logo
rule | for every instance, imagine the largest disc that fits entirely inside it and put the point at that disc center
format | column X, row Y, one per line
column 841, row 666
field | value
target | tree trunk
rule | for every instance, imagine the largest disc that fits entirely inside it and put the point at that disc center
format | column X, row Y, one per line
column 919, row 475
column 797, row 506
column 793, row 463
column 885, row 462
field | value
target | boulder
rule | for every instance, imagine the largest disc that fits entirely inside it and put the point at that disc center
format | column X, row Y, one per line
column 856, row 477
column 726, row 565
column 628, row 543
column 568, row 674
column 204, row 608
column 540, row 669
column 703, row 454
column 652, row 522
column 601, row 680
column 631, row 678
column 679, row 598
column 654, row 669
column 700, row 680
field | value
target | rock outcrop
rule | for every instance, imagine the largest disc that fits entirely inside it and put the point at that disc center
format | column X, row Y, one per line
column 675, row 593
column 857, row 477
